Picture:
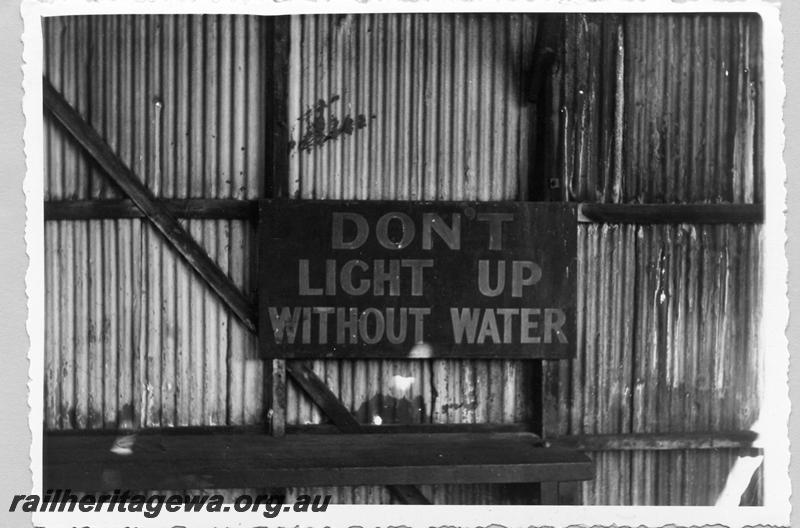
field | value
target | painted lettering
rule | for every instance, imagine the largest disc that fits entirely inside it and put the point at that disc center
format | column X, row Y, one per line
column 406, row 226
column 528, row 325
column 304, row 279
column 488, row 327
column 450, row 235
column 400, row 335
column 284, row 323
column 520, row 278
column 361, row 227
column 554, row 319
column 346, row 326
column 465, row 324
column 417, row 266
column 484, row 282
column 495, row 221
column 346, row 278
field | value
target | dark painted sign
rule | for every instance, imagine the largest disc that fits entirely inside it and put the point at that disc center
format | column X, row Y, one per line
column 417, row 279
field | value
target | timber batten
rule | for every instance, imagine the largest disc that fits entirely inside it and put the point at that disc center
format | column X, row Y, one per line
column 197, row 208
column 239, row 460
column 222, row 209
column 707, row 214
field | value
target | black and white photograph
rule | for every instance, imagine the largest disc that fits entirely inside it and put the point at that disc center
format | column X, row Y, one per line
column 291, row 258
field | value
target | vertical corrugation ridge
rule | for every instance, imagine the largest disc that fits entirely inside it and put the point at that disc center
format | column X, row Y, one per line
column 408, row 106
column 681, row 307
column 429, row 108
column 687, row 324
column 691, row 95
column 180, row 99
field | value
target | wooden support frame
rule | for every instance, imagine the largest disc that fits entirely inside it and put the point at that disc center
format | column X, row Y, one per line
column 197, row 208
column 278, row 35
column 302, row 374
column 166, row 222
column 224, row 460
column 417, row 428
column 277, row 161
column 658, row 441
column 671, row 213
column 229, row 209
column 693, row 441
column 156, row 213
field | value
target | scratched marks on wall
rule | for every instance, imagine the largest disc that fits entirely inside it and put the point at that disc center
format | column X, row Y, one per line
column 443, row 97
column 320, row 124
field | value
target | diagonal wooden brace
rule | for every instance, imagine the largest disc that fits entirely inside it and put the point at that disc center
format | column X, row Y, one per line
column 302, row 374
column 167, row 223
column 156, row 212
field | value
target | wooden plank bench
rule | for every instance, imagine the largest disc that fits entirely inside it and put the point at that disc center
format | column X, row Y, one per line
column 178, row 460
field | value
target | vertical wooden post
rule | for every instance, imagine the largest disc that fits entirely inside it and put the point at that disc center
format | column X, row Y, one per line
column 548, row 494
column 544, row 91
column 551, row 183
column 278, row 43
column 581, row 117
column 276, row 184
column 275, row 395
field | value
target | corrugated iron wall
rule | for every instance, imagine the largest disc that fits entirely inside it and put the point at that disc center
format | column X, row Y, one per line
column 451, row 143
column 692, row 85
column 667, row 339
column 667, row 343
column 440, row 101
column 437, row 112
column 643, row 108
column 180, row 98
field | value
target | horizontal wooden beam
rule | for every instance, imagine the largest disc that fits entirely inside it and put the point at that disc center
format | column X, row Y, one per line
column 160, row 216
column 231, row 209
column 598, row 442
column 657, row 441
column 86, row 462
column 192, row 208
column 322, row 429
column 426, row 428
column 670, row 213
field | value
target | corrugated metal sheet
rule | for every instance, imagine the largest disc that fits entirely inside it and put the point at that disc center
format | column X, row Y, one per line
column 644, row 108
column 437, row 104
column 667, row 343
column 180, row 98
column 692, row 89
column 441, row 121
column 438, row 113
column 667, row 339
column 658, row 109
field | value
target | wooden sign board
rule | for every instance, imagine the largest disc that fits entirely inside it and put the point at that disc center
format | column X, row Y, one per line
column 417, row 279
